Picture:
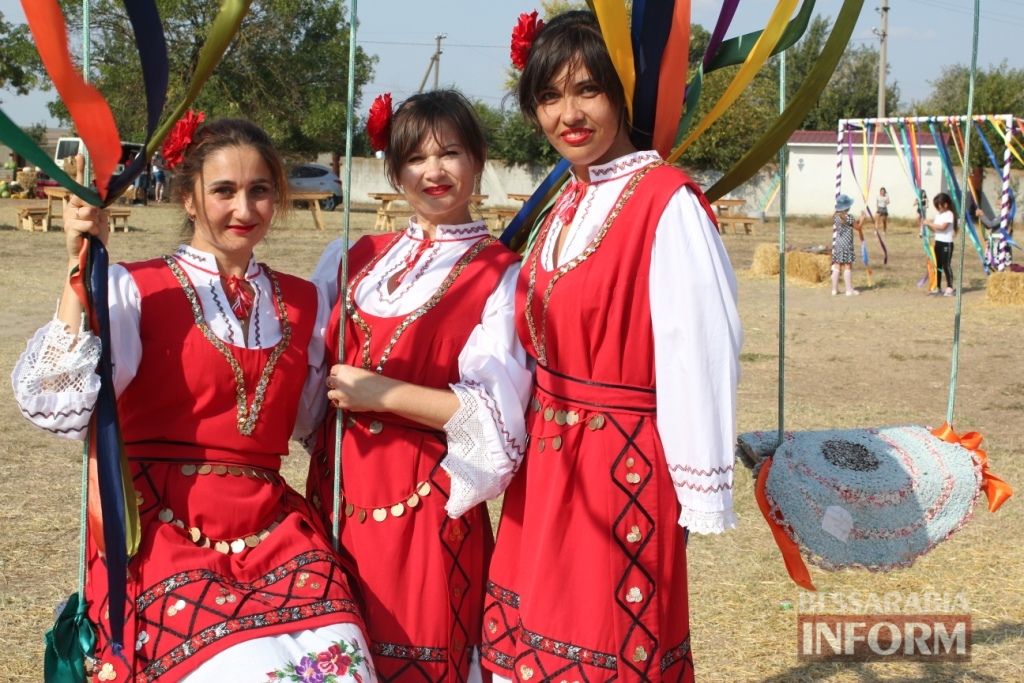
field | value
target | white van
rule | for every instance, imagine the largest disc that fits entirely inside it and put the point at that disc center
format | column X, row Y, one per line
column 69, row 147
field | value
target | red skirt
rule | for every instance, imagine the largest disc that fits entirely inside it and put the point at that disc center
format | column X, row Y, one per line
column 588, row 579
column 228, row 553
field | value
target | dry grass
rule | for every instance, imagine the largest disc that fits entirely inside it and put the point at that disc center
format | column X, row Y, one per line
column 808, row 268
column 1006, row 288
column 878, row 359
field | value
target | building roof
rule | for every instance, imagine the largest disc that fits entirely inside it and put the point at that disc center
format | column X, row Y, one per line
column 829, row 137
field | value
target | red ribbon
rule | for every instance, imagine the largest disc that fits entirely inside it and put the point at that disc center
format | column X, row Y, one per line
column 787, row 546
column 569, row 201
column 241, row 300
column 996, row 490
column 411, row 258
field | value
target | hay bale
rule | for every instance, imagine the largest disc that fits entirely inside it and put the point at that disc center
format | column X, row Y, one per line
column 766, row 260
column 28, row 180
column 809, row 268
column 1005, row 288
column 69, row 166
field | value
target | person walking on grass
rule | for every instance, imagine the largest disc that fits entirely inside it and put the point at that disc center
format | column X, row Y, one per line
column 842, row 244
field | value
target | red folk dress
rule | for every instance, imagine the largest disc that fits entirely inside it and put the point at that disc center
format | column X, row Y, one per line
column 228, row 552
column 588, row 579
column 421, row 573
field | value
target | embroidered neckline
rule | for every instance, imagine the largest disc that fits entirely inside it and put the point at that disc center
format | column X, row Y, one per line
column 247, row 415
column 622, row 165
column 448, row 233
column 540, row 341
column 353, row 311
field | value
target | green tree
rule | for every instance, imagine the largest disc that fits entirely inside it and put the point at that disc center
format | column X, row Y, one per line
column 37, row 133
column 997, row 90
column 286, row 70
column 20, row 66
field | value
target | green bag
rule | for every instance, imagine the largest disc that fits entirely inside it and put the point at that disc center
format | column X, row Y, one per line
column 69, row 643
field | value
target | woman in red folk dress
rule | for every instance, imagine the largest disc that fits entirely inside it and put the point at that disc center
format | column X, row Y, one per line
column 434, row 386
column 628, row 304
column 234, row 578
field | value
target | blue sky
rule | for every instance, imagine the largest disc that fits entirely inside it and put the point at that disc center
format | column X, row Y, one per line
column 924, row 36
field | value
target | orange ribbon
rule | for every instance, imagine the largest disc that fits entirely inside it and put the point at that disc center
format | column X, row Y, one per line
column 996, row 490
column 790, row 552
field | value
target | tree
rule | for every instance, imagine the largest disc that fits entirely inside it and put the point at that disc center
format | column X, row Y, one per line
column 286, row 70
column 19, row 68
column 997, row 90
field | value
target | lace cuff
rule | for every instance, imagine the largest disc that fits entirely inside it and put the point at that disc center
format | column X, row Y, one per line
column 477, row 473
column 55, row 380
column 707, row 522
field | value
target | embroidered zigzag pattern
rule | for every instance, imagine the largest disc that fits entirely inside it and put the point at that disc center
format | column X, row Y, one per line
column 702, row 489
column 492, row 407
column 703, row 473
column 619, row 166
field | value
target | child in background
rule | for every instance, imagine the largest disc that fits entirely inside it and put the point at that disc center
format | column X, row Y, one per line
column 944, row 226
column 842, row 244
column 882, row 208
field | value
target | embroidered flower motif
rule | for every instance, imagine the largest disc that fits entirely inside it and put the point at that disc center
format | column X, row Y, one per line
column 522, row 37
column 378, row 123
column 333, row 665
column 180, row 138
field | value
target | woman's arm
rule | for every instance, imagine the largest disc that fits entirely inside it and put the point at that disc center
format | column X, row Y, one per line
column 697, row 339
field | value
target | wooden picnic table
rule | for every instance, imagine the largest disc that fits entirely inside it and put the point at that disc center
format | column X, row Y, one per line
column 386, row 212
column 54, row 195
column 518, row 197
column 313, row 200
column 728, row 214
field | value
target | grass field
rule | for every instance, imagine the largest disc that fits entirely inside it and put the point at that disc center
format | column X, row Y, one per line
column 882, row 358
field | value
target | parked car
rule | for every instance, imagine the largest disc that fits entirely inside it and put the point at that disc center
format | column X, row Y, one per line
column 316, row 178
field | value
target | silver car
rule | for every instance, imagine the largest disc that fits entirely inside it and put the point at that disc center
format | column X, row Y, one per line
column 316, row 178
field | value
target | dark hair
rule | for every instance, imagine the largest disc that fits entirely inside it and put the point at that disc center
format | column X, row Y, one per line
column 218, row 135
column 571, row 39
column 943, row 198
column 424, row 114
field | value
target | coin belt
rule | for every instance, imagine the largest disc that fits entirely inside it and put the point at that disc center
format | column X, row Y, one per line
column 191, row 469
column 227, row 547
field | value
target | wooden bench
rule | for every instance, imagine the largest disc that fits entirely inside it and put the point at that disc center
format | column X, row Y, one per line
column 500, row 218
column 31, row 216
column 745, row 222
column 119, row 217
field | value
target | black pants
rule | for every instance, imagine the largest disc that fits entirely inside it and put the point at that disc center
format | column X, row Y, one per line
column 944, row 259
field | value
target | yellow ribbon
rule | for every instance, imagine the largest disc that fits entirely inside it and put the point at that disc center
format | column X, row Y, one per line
column 996, row 490
column 614, row 21
column 755, row 60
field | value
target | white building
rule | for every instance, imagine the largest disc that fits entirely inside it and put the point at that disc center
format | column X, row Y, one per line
column 812, row 174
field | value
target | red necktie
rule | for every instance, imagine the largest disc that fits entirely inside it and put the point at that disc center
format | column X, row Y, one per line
column 241, row 300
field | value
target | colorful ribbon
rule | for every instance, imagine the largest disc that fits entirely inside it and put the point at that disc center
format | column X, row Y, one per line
column 614, row 21
column 787, row 546
column 112, row 511
column 996, row 490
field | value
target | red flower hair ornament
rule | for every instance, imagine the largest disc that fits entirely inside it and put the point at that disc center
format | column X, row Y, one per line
column 522, row 37
column 378, row 123
column 180, row 138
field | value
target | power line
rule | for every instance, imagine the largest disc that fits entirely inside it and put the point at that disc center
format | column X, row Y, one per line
column 1011, row 19
column 388, row 42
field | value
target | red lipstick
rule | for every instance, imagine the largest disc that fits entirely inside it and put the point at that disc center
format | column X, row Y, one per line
column 437, row 190
column 576, row 136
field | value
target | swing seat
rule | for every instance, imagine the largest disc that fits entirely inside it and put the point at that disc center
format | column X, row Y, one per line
column 869, row 498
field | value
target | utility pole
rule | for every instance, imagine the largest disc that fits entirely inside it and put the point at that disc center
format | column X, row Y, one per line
column 883, row 35
column 435, row 63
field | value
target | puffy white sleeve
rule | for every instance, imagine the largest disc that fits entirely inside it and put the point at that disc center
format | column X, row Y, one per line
column 55, row 381
column 325, row 275
column 487, row 434
column 697, row 339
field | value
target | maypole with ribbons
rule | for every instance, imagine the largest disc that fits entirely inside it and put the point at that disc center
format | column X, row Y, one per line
column 874, row 498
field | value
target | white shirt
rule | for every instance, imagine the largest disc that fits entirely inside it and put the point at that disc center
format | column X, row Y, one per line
column 487, row 435
column 697, row 338
column 945, row 234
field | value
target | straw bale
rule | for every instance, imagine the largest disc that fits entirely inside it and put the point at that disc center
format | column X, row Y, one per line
column 810, row 268
column 69, row 165
column 1005, row 288
column 766, row 260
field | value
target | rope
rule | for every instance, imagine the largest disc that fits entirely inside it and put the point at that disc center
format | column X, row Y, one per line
column 782, row 255
column 339, row 422
column 955, row 364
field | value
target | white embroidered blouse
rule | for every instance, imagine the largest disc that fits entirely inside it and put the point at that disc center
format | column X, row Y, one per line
column 487, row 434
column 697, row 338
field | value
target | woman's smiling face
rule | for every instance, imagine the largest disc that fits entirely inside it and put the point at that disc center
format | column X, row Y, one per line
column 438, row 179
column 232, row 203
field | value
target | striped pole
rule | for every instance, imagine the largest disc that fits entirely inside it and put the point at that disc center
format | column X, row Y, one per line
column 1004, row 209
column 843, row 124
